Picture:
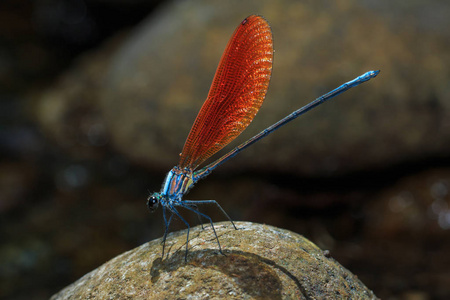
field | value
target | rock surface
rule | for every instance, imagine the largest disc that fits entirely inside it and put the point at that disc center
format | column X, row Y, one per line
column 260, row 262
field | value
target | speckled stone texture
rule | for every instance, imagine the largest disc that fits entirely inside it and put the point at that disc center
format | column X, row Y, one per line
column 260, row 262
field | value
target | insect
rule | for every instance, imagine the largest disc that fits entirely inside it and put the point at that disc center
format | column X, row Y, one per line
column 236, row 94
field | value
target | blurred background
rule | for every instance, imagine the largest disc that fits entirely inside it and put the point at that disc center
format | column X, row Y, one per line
column 97, row 98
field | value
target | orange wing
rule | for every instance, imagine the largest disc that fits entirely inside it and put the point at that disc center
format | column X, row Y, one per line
column 236, row 94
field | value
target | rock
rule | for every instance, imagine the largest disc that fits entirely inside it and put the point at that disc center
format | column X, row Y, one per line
column 260, row 262
column 69, row 112
column 154, row 86
column 160, row 78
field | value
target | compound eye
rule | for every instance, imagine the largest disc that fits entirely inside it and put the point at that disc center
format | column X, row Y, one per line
column 152, row 203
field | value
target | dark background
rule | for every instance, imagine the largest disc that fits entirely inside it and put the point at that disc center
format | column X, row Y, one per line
column 72, row 196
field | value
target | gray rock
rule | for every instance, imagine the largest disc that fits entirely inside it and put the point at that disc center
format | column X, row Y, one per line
column 260, row 262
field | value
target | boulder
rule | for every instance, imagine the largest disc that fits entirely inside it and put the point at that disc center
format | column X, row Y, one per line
column 258, row 262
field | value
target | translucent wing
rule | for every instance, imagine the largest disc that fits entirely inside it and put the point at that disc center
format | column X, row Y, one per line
column 236, row 94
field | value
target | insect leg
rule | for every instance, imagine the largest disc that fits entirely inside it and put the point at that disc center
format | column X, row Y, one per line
column 210, row 221
column 173, row 209
column 190, row 202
